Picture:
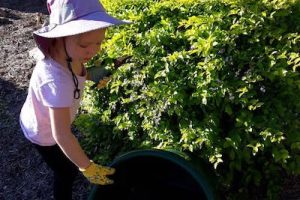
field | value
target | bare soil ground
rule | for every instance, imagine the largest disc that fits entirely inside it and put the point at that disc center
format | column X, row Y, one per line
column 23, row 175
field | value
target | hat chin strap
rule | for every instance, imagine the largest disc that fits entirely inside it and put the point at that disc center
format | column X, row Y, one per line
column 75, row 80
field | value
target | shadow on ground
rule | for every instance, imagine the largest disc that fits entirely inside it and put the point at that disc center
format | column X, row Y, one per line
column 31, row 6
column 24, row 175
column 19, row 161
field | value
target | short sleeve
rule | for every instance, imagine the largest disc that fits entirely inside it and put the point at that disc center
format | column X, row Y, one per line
column 56, row 94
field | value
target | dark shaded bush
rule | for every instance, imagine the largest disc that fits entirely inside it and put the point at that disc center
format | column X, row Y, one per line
column 216, row 78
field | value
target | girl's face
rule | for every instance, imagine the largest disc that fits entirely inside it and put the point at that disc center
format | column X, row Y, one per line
column 83, row 47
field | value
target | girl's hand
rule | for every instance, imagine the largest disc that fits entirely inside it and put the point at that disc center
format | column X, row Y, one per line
column 97, row 174
column 96, row 74
column 102, row 83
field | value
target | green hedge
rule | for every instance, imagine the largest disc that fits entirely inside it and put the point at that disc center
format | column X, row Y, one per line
column 217, row 78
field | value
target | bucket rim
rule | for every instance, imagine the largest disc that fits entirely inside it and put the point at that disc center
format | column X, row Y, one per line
column 172, row 156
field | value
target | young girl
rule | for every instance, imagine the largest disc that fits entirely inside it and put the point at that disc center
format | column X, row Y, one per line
column 73, row 36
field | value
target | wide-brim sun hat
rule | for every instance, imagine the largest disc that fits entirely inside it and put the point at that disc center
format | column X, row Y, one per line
column 72, row 17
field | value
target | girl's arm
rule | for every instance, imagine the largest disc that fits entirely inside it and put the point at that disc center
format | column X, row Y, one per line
column 61, row 130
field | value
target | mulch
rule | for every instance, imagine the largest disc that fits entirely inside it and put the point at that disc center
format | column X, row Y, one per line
column 23, row 174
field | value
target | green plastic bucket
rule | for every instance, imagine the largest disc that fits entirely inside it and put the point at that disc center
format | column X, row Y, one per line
column 156, row 175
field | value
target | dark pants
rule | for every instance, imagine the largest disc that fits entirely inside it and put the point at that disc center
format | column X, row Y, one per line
column 64, row 170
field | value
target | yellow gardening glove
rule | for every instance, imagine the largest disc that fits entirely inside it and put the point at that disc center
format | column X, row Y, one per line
column 102, row 83
column 97, row 174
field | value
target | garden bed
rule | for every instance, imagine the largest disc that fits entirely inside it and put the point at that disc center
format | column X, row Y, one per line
column 23, row 174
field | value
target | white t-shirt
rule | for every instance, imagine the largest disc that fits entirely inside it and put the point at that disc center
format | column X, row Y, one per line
column 51, row 85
